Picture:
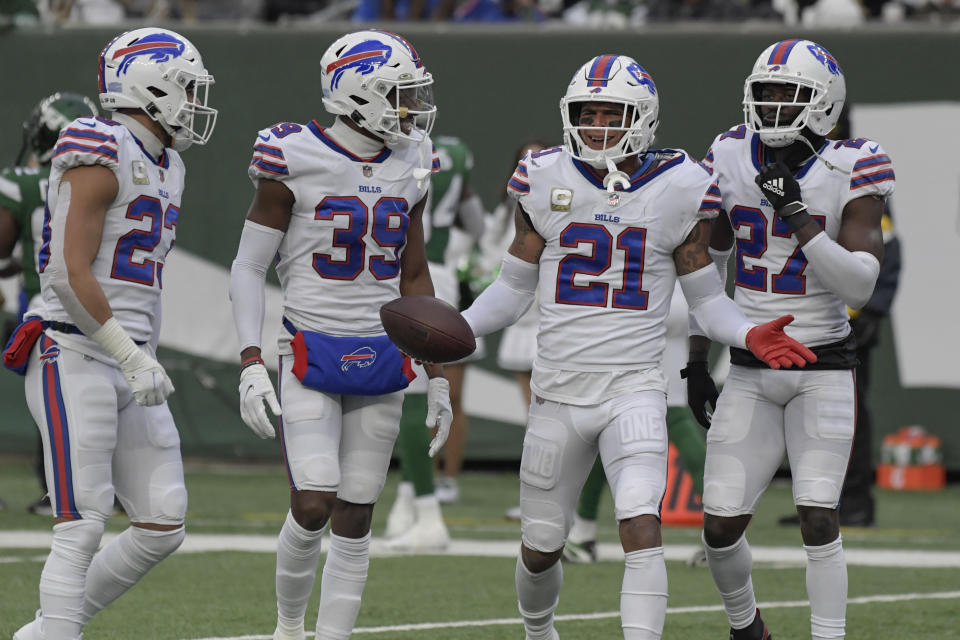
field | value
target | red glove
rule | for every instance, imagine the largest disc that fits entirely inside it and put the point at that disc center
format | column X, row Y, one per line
column 769, row 343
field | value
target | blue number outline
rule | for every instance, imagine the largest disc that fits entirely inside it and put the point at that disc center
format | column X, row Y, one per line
column 133, row 241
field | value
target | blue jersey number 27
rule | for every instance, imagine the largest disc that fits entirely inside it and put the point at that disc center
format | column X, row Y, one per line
column 595, row 294
column 790, row 279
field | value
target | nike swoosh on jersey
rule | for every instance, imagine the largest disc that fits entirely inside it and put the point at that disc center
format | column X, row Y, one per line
column 264, row 138
column 874, row 148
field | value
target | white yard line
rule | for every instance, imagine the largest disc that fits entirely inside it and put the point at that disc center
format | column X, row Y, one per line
column 206, row 542
column 428, row 626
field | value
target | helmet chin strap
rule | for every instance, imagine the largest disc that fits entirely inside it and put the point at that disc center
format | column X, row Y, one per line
column 615, row 177
column 829, row 165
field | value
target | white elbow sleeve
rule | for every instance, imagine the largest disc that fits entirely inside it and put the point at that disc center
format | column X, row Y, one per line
column 507, row 299
column 721, row 258
column 851, row 275
column 719, row 317
column 248, row 274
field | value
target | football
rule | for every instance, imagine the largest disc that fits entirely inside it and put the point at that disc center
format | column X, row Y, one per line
column 427, row 329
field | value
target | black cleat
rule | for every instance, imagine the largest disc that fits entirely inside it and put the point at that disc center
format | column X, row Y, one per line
column 756, row 631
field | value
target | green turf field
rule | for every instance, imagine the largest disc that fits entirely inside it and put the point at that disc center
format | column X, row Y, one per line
column 228, row 594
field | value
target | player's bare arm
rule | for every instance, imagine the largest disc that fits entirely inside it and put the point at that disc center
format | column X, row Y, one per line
column 414, row 273
column 693, row 254
column 272, row 205
column 860, row 226
column 92, row 189
column 527, row 243
column 9, row 233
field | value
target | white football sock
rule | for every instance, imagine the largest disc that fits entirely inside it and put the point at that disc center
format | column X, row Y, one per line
column 120, row 564
column 428, row 508
column 643, row 597
column 730, row 568
column 298, row 552
column 538, row 595
column 582, row 530
column 827, row 589
column 65, row 574
column 341, row 586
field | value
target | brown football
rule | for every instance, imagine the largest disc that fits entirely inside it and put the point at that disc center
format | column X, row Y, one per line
column 427, row 329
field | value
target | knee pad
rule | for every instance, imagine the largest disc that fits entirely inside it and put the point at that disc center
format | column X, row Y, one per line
column 168, row 495
column 636, row 499
column 153, row 546
column 94, row 494
column 724, row 486
column 543, row 524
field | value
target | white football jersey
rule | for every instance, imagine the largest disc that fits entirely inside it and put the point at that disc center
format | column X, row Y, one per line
column 339, row 260
column 772, row 274
column 139, row 229
column 607, row 271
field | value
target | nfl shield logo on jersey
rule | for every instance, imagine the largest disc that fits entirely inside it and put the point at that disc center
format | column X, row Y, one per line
column 367, row 171
column 613, row 199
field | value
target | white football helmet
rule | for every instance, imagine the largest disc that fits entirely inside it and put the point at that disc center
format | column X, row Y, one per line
column 358, row 73
column 801, row 64
column 618, row 79
column 161, row 73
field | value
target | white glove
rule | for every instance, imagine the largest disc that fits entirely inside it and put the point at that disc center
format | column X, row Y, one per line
column 255, row 387
column 439, row 412
column 147, row 379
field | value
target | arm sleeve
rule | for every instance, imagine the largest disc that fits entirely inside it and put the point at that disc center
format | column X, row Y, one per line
column 719, row 316
column 507, row 299
column 721, row 259
column 248, row 274
column 850, row 275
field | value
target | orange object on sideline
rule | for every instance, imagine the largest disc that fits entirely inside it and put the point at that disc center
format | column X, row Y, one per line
column 682, row 505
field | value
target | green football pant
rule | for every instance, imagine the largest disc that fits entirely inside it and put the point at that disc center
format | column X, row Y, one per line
column 413, row 444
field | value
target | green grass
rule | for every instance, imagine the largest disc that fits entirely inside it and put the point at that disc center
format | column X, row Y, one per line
column 230, row 593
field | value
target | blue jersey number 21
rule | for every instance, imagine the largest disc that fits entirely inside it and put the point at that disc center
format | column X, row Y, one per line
column 631, row 241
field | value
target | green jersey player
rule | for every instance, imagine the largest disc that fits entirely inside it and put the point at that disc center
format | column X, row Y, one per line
column 23, row 195
column 453, row 222
column 23, row 188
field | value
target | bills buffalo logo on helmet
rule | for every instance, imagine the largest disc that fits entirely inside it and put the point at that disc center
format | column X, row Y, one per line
column 362, row 357
column 364, row 58
column 824, row 57
column 642, row 77
column 160, row 47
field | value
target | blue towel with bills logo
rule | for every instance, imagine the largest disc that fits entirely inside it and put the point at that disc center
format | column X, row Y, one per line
column 348, row 365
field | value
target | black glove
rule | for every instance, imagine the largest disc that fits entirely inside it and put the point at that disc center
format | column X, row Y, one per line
column 700, row 391
column 782, row 191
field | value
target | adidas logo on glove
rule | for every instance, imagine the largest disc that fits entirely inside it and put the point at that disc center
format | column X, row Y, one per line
column 775, row 186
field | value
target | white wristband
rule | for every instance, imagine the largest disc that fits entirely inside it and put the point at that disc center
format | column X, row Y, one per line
column 115, row 340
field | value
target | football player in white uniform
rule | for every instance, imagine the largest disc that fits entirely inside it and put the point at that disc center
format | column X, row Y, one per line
column 339, row 211
column 603, row 228
column 804, row 213
column 93, row 383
